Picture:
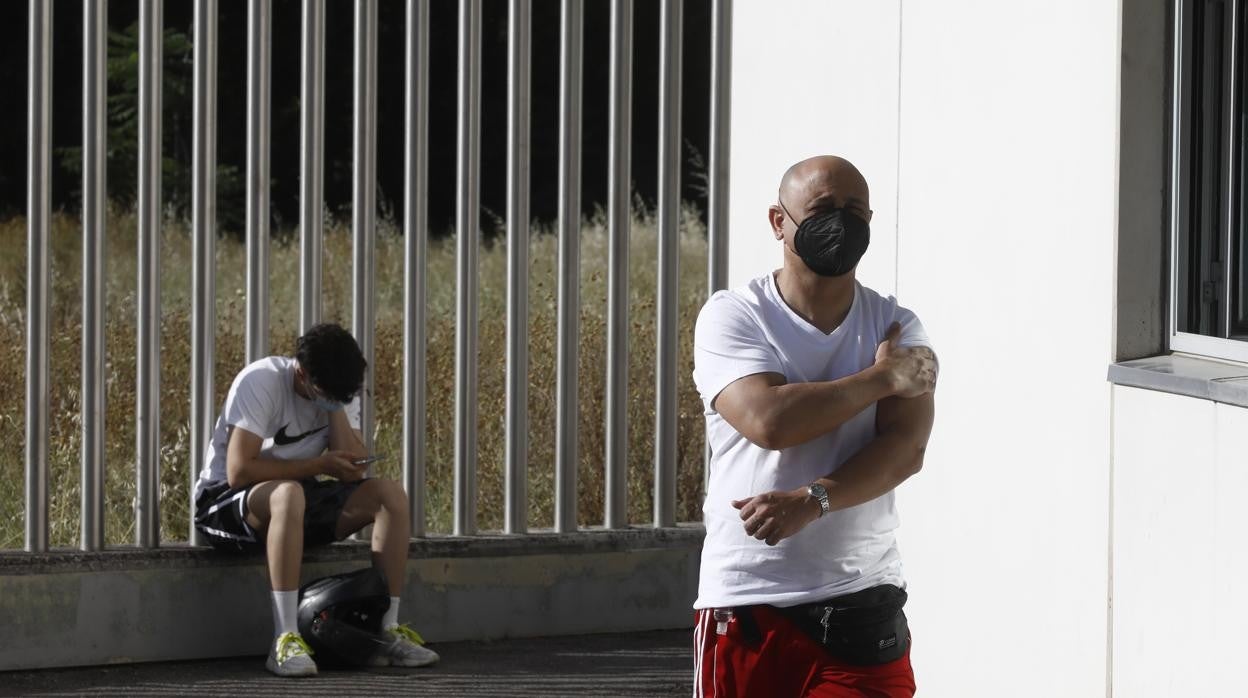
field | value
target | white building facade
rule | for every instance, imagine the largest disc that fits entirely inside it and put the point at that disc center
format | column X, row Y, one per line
column 1055, row 189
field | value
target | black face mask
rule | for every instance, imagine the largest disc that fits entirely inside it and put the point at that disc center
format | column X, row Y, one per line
column 831, row 241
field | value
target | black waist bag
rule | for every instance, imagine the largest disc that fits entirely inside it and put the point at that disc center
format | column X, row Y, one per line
column 865, row 628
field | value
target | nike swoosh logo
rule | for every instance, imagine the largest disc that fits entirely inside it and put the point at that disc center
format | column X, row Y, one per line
column 281, row 439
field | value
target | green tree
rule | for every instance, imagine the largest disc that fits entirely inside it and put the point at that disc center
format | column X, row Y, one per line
column 176, row 132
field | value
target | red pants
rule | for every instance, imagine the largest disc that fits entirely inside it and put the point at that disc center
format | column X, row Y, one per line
column 783, row 662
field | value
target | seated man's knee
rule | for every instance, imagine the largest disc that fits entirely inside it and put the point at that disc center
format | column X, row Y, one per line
column 286, row 499
column 392, row 495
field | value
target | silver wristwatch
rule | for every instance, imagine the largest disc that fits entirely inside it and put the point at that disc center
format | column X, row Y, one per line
column 819, row 492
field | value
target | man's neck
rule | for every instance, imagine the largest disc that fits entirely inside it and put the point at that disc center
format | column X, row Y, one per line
column 298, row 384
column 823, row 301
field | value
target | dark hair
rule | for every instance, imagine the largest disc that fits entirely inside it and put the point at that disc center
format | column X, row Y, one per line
column 332, row 360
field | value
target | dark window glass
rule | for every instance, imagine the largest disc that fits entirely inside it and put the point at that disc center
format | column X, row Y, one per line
column 1211, row 297
column 1239, row 227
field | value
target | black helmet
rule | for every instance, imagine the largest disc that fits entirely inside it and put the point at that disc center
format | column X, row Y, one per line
column 340, row 616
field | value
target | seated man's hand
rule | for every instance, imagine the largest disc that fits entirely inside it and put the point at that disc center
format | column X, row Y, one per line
column 911, row 370
column 774, row 516
column 339, row 465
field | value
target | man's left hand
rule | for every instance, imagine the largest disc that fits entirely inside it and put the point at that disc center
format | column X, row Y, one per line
column 774, row 516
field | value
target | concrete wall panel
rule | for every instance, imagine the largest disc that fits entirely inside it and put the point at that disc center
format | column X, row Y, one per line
column 74, row 609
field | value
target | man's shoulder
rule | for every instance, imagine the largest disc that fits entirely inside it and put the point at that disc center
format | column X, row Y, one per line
column 747, row 299
column 878, row 311
column 873, row 298
column 880, row 305
column 267, row 374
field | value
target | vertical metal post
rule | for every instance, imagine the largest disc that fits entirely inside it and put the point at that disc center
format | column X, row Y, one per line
column 147, row 389
column 311, row 155
column 94, row 203
column 669, row 250
column 720, row 135
column 38, row 216
column 619, row 225
column 364, row 200
column 467, row 233
column 721, row 120
column 204, row 232
column 259, row 40
column 566, row 457
column 415, row 235
column 516, row 508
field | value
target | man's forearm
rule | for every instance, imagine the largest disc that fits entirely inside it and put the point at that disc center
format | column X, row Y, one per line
column 254, row 470
column 799, row 412
column 889, row 460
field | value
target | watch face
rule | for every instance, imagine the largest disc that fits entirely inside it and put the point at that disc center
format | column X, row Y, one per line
column 820, row 494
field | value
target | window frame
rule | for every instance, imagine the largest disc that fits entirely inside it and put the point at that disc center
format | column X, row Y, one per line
column 1221, row 344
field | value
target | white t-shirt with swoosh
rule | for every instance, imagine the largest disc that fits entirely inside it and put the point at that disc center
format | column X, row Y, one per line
column 752, row 330
column 263, row 401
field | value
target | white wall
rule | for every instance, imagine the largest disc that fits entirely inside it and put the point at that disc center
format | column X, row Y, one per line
column 810, row 78
column 1179, row 522
column 993, row 137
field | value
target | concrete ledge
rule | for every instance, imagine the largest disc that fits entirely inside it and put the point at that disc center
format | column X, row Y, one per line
column 71, row 608
column 1181, row 374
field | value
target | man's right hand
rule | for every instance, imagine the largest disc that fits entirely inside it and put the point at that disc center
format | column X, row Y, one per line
column 338, row 465
column 911, row 371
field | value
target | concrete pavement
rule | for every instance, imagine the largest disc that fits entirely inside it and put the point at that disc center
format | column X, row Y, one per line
column 658, row 663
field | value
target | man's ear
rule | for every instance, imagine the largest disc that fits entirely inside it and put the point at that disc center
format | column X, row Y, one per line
column 775, row 216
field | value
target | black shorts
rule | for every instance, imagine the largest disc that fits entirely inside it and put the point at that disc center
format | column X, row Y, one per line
column 221, row 514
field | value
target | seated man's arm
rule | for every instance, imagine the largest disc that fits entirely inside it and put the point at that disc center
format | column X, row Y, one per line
column 343, row 437
column 903, row 426
column 775, row 414
column 244, row 465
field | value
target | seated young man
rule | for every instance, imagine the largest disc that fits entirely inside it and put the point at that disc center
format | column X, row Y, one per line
column 285, row 422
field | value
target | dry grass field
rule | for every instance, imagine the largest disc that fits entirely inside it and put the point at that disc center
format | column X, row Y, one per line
column 120, row 337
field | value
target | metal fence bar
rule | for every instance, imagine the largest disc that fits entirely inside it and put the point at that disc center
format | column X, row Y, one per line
column 721, row 106
column 259, row 42
column 669, row 250
column 717, row 194
column 468, row 233
column 619, row 223
column 516, row 507
column 416, row 235
column 364, row 200
column 311, row 159
column 147, row 466
column 38, row 270
column 204, row 228
column 147, row 345
column 94, row 169
column 566, row 407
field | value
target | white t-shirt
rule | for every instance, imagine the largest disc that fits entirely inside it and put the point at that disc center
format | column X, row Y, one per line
column 752, row 330
column 263, row 401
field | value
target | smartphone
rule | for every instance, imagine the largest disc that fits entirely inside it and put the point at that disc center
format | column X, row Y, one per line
column 367, row 460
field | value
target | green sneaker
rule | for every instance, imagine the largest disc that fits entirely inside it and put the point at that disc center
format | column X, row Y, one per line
column 291, row 656
column 405, row 648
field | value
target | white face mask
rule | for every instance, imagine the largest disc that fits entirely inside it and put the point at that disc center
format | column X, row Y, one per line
column 327, row 405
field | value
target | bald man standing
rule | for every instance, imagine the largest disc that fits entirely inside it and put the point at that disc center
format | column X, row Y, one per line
column 818, row 402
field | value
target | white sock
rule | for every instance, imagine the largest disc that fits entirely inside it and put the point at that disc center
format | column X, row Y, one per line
column 285, row 612
column 391, row 619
